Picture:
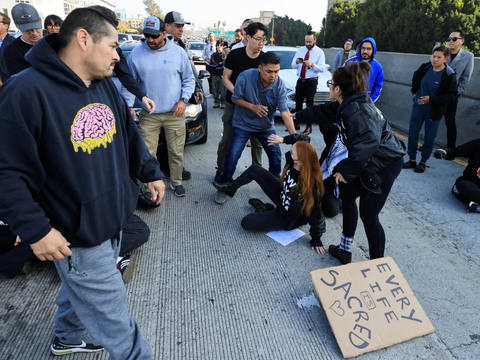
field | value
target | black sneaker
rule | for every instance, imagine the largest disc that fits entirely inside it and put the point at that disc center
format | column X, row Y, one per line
column 228, row 187
column 186, row 175
column 472, row 207
column 59, row 348
column 420, row 168
column 126, row 266
column 409, row 164
column 178, row 190
column 343, row 256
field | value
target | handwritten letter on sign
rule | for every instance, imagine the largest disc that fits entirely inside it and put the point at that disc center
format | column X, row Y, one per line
column 370, row 306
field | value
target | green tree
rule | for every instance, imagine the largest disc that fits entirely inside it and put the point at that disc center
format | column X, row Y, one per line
column 152, row 8
column 288, row 31
column 339, row 24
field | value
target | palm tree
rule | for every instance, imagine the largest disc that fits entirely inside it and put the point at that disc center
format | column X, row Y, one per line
column 219, row 22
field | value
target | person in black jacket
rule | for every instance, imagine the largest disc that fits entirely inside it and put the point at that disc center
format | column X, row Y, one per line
column 297, row 194
column 467, row 186
column 375, row 158
column 434, row 87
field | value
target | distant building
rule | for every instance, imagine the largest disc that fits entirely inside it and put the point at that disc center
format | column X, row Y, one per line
column 48, row 7
column 121, row 14
column 330, row 2
column 265, row 17
column 135, row 23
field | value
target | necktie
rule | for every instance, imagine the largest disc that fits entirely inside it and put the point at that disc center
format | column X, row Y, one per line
column 304, row 67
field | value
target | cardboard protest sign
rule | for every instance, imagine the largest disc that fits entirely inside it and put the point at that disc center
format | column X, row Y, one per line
column 370, row 306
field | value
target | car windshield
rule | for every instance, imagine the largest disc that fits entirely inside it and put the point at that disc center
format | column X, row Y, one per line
column 137, row 37
column 197, row 46
column 122, row 37
column 286, row 58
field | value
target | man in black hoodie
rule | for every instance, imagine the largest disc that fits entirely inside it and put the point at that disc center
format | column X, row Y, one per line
column 66, row 178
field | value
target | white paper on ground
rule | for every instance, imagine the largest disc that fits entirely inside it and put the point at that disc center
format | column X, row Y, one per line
column 285, row 237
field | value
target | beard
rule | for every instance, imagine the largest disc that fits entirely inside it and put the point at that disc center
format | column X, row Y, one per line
column 309, row 47
column 99, row 72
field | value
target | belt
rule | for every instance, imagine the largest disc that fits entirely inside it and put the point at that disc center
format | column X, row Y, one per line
column 303, row 80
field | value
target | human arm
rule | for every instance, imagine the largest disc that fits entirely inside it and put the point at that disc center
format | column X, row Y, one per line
column 316, row 219
column 124, row 75
column 289, row 139
column 377, row 84
column 227, row 73
column 468, row 149
column 338, row 60
column 318, row 61
column 450, row 95
column 188, row 86
column 287, row 118
column 466, row 75
column 296, row 62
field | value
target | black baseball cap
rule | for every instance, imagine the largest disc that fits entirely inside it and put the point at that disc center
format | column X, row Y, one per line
column 174, row 17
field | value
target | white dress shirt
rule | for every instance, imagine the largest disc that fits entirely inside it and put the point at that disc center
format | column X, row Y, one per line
column 317, row 57
column 209, row 51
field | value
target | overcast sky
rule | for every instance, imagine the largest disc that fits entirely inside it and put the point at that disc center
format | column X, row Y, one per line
column 205, row 13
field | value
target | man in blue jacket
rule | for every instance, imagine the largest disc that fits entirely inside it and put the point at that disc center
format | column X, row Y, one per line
column 366, row 52
column 66, row 171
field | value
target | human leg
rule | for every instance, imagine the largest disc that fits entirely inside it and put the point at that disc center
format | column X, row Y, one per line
column 135, row 234
column 451, row 124
column 370, row 206
column 467, row 191
column 330, row 204
column 311, row 89
column 273, row 152
column 349, row 192
column 215, row 89
column 175, row 135
column 226, row 137
column 265, row 179
column 237, row 144
column 272, row 220
column 93, row 299
column 416, row 122
column 431, row 131
column 150, row 126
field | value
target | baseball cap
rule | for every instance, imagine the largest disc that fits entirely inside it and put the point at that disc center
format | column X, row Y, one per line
column 26, row 17
column 153, row 26
column 174, row 17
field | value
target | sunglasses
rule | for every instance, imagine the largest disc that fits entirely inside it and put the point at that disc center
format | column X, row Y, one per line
column 154, row 37
column 330, row 82
column 454, row 39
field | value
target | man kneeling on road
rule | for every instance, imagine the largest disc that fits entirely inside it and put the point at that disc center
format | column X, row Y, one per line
column 257, row 94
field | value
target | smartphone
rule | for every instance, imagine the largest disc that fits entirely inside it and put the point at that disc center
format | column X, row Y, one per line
column 301, row 59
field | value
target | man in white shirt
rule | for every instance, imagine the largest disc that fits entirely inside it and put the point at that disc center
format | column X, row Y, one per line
column 309, row 61
column 209, row 50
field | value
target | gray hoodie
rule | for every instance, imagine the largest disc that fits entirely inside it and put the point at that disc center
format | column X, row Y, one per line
column 166, row 75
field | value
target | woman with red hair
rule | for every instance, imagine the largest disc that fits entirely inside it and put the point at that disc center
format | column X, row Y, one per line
column 297, row 195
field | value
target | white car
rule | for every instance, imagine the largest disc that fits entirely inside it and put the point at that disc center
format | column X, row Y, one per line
column 289, row 77
column 196, row 49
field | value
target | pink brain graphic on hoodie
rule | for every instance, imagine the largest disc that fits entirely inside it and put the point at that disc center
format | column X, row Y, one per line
column 94, row 125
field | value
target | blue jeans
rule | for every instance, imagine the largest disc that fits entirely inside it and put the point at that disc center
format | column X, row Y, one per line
column 239, row 140
column 431, row 129
column 93, row 300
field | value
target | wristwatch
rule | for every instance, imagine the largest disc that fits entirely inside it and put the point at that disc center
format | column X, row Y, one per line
column 185, row 101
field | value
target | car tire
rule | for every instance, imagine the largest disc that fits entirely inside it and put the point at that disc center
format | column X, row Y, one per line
column 204, row 138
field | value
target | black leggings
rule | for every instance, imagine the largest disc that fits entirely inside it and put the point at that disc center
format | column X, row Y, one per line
column 467, row 191
column 370, row 206
column 270, row 220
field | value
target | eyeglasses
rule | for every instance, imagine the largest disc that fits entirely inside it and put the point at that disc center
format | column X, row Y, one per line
column 53, row 25
column 154, row 37
column 259, row 40
column 453, row 39
column 366, row 49
column 330, row 82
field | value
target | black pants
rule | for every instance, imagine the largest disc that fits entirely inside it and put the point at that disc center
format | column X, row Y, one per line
column 451, row 125
column 135, row 234
column 330, row 204
column 209, row 69
column 466, row 191
column 370, row 206
column 270, row 220
column 305, row 90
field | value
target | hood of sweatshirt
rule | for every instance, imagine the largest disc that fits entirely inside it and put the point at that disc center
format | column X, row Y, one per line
column 374, row 45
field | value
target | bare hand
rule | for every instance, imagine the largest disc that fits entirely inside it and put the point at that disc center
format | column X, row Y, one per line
column 308, row 63
column 199, row 96
column 52, row 246
column 299, row 60
column 339, row 178
column 423, row 100
column 157, row 189
column 260, row 110
column 319, row 249
column 149, row 103
column 274, row 140
column 133, row 113
column 179, row 109
column 17, row 241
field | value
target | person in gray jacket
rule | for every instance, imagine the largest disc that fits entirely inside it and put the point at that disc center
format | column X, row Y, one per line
column 344, row 54
column 461, row 61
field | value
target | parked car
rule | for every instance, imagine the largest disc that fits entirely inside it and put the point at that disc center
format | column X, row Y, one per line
column 289, row 76
column 196, row 121
column 196, row 48
column 125, row 37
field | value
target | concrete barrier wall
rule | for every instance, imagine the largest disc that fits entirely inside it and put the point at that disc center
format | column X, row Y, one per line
column 396, row 99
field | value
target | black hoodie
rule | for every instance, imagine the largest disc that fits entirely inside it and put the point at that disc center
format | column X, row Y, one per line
column 67, row 153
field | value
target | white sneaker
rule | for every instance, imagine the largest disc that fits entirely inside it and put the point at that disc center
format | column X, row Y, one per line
column 220, row 197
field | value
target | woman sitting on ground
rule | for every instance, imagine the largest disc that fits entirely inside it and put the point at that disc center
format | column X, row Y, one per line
column 297, row 194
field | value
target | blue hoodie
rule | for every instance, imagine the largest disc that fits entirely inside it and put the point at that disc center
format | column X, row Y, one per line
column 375, row 78
column 69, row 153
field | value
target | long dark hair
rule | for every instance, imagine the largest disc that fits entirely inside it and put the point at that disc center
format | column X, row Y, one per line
column 351, row 78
